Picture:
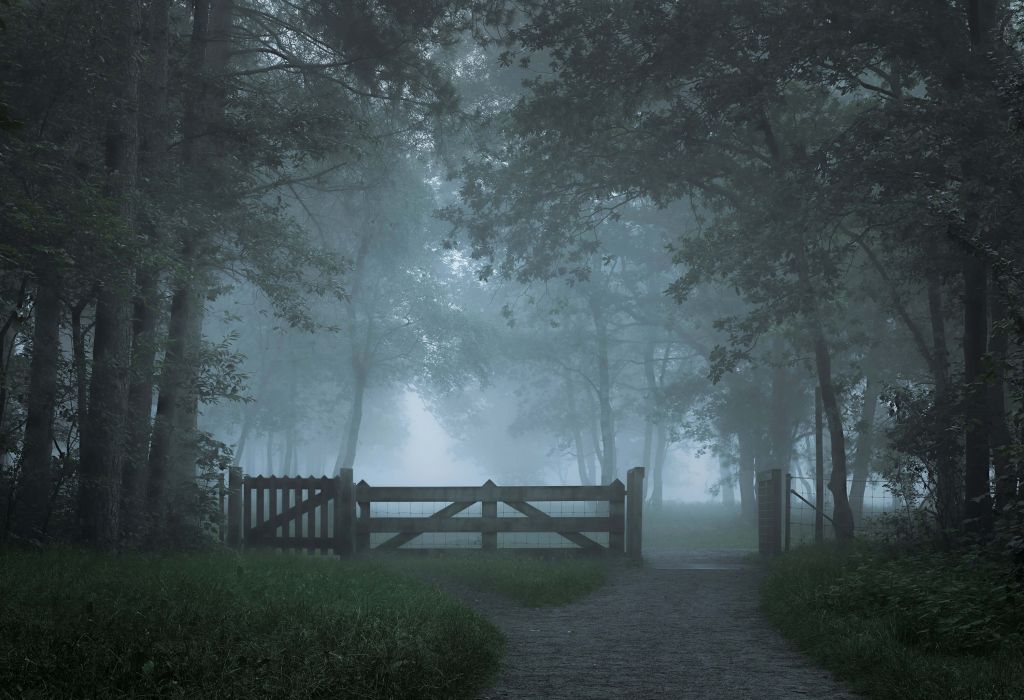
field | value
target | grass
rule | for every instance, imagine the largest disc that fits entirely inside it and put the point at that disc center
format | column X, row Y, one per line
column 533, row 581
column 74, row 624
column 907, row 627
column 697, row 526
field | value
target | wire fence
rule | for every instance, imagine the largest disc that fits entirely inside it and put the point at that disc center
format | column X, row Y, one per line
column 874, row 507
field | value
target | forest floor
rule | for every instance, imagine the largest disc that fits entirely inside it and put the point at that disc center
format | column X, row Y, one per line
column 685, row 626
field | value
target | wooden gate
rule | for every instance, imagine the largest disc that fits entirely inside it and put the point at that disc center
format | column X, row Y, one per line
column 299, row 513
column 520, row 499
column 319, row 514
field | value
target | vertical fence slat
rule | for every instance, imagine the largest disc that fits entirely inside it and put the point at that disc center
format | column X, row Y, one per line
column 326, row 488
column 363, row 536
column 344, row 515
column 260, row 497
column 310, row 516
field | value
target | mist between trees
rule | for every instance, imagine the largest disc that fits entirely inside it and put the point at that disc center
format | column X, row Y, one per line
column 237, row 233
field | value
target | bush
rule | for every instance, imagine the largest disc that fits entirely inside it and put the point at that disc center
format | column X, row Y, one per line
column 899, row 625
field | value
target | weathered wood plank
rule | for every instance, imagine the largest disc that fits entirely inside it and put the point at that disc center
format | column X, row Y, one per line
column 406, row 494
column 294, row 512
column 405, row 537
column 573, row 536
column 484, row 525
column 489, row 511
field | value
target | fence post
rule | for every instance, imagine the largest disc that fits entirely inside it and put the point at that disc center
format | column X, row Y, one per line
column 786, row 504
column 234, row 516
column 635, row 513
column 616, row 517
column 344, row 514
column 489, row 509
column 363, row 532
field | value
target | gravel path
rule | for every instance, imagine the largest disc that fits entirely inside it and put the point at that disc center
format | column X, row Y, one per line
column 685, row 626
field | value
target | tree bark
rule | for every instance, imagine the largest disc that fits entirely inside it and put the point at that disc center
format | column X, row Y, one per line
column 36, row 476
column 977, row 500
column 347, row 458
column 153, row 134
column 725, row 476
column 604, row 392
column 1005, row 474
column 748, row 457
column 865, row 445
column 104, row 441
column 948, row 476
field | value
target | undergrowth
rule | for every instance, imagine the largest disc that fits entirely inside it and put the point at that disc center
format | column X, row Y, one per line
column 221, row 626
column 904, row 626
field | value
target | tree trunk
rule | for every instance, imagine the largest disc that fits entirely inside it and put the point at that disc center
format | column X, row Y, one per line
column 609, row 470
column 725, row 477
column 104, row 441
column 1005, row 474
column 747, row 475
column 36, row 476
column 948, row 476
column 658, row 476
column 977, row 501
column 865, row 445
column 154, row 131
column 347, row 458
column 586, row 478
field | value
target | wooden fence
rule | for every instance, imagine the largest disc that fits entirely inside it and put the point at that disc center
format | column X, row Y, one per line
column 319, row 514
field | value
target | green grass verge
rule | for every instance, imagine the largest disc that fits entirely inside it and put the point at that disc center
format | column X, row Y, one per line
column 697, row 526
column 221, row 626
column 904, row 627
column 533, row 581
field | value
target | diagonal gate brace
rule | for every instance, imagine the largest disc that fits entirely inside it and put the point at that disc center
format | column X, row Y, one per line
column 405, row 537
column 576, row 538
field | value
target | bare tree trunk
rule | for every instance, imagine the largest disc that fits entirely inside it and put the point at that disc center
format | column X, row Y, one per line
column 36, row 474
column 172, row 449
column 658, row 476
column 347, row 458
column 948, row 476
column 586, row 477
column 747, row 474
column 609, row 469
column 977, row 501
column 104, row 442
column 998, row 346
column 725, row 476
column 154, row 130
column 865, row 445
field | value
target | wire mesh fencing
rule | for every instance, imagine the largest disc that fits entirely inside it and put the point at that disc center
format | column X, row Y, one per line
column 873, row 503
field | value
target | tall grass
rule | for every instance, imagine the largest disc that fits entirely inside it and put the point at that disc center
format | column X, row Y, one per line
column 223, row 626
column 903, row 627
column 530, row 580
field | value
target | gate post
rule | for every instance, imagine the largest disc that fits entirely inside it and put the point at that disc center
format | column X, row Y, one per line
column 634, row 512
column 489, row 509
column 344, row 514
column 616, row 516
column 363, row 499
column 234, row 506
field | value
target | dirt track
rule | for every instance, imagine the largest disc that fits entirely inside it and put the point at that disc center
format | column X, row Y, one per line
column 685, row 626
